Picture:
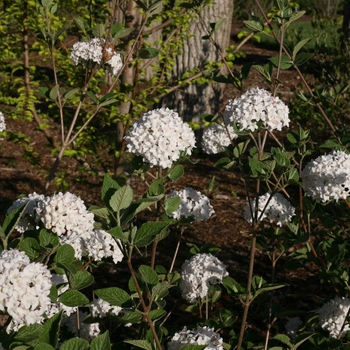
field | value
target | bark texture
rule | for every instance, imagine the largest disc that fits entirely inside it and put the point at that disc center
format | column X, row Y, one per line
column 193, row 100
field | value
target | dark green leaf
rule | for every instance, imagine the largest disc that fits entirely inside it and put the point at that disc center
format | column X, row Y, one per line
column 75, row 344
column 48, row 239
column 101, row 342
column 81, row 280
column 28, row 333
column 157, row 188
column 115, row 296
column 123, row 33
column 148, row 275
column 254, row 26
column 143, row 344
column 92, row 96
column 50, row 330
column 157, row 314
column 65, row 254
column 148, row 52
column 285, row 62
column 31, row 247
column 80, row 24
column 148, row 232
column 298, row 46
column 98, row 31
column 109, row 187
column 54, row 93
column 43, row 346
column 71, row 93
column 73, row 298
column 44, row 91
column 121, row 199
column 301, row 58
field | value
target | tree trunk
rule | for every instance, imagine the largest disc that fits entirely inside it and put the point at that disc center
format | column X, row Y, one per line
column 193, row 100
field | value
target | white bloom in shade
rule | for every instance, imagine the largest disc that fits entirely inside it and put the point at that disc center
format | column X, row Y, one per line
column 327, row 177
column 88, row 331
column 198, row 274
column 1, row 347
column 159, row 137
column 292, row 327
column 333, row 314
column 257, row 105
column 24, row 289
column 216, row 138
column 199, row 336
column 278, row 208
column 95, row 51
column 100, row 308
column 192, row 204
column 2, row 122
column 28, row 218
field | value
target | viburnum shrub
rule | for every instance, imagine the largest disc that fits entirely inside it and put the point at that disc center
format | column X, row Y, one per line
column 73, row 277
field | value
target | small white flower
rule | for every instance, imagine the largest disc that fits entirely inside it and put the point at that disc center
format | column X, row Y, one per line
column 2, row 122
column 100, row 308
column 216, row 138
column 199, row 336
column 278, row 208
column 257, row 105
column 327, row 177
column 332, row 316
column 159, row 137
column 198, row 274
column 192, row 204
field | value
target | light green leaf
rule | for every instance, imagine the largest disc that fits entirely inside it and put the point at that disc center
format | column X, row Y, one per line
column 71, row 93
column 286, row 63
column 171, row 204
column 176, row 172
column 122, row 198
column 98, row 31
column 157, row 314
column 122, row 33
column 54, row 93
column 298, row 46
column 92, row 96
column 254, row 26
column 80, row 24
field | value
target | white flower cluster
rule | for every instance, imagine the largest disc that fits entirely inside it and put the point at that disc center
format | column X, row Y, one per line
column 87, row 331
column 292, row 327
column 24, row 291
column 199, row 336
column 100, row 308
column 333, row 314
column 257, row 105
column 278, row 208
column 97, row 51
column 27, row 219
column 327, row 177
column 216, row 137
column 2, row 122
column 159, row 137
column 192, row 204
column 66, row 215
column 198, row 274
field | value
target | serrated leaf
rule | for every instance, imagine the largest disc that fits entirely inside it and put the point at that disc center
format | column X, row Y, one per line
column 50, row 330
column 81, row 280
column 148, row 52
column 285, row 62
column 176, row 172
column 143, row 344
column 31, row 247
column 54, row 93
column 28, row 333
column 148, row 232
column 298, row 46
column 121, row 199
column 148, row 275
column 115, row 296
column 101, row 342
column 65, row 254
column 73, row 298
column 48, row 239
column 171, row 204
column 75, row 344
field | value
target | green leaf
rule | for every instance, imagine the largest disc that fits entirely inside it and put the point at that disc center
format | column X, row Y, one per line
column 44, row 91
column 193, row 347
column 131, row 317
column 264, row 72
column 148, row 275
column 109, row 187
column 65, row 254
column 176, row 172
column 48, row 239
column 12, row 220
column 286, row 63
column 219, row 24
column 101, row 342
column 301, row 58
column 254, row 26
column 283, row 338
column 171, row 204
column 92, row 96
column 75, row 344
column 330, row 144
column 148, row 232
column 43, row 346
column 80, row 24
column 54, row 93
column 121, row 199
column 115, row 296
column 157, row 188
column 50, row 330
column 71, row 93
column 122, row 33
column 27, row 334
column 295, row 16
column 31, row 247
column 73, row 298
column 298, row 46
column 302, row 338
column 81, row 280
column 148, row 52
column 232, row 286
column 157, row 314
column 143, row 344
column 98, row 31
column 108, row 102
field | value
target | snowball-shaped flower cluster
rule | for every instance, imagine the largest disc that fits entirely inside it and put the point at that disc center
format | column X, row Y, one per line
column 28, row 218
column 192, row 204
column 67, row 215
column 273, row 208
column 100, row 308
column 97, row 51
column 198, row 274
column 87, row 331
column 159, row 137
column 292, row 327
column 2, row 122
column 333, row 314
column 257, row 105
column 216, row 137
column 327, row 177
column 24, row 290
column 199, row 336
